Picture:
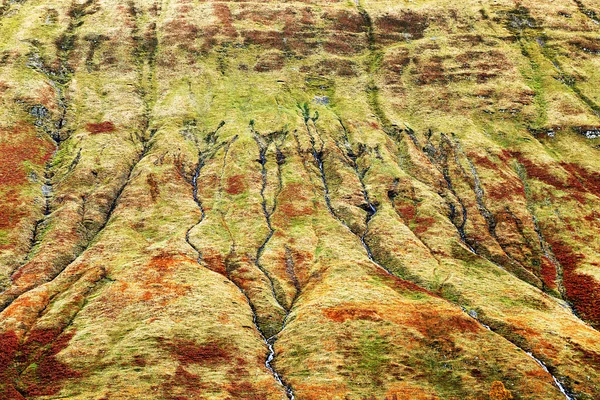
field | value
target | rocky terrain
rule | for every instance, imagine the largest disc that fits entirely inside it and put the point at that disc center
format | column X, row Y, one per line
column 311, row 199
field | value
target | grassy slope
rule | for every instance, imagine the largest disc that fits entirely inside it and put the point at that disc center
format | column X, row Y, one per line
column 436, row 115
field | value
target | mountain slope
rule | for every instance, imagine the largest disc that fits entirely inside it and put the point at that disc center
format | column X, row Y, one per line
column 311, row 199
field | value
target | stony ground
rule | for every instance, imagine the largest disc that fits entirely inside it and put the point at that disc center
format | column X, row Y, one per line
column 316, row 199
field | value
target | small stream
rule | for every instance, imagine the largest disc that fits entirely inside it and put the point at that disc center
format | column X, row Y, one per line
column 269, row 342
column 556, row 381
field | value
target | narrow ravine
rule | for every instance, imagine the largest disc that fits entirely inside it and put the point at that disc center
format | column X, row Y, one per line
column 59, row 78
column 203, row 157
column 263, row 146
column 318, row 158
column 442, row 167
column 556, row 381
column 369, row 206
column 546, row 250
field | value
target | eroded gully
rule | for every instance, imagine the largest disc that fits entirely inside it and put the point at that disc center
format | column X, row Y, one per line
column 203, row 157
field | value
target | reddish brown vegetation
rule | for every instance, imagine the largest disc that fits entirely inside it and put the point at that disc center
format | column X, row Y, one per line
column 17, row 146
column 215, row 261
column 223, row 13
column 270, row 62
column 346, row 312
column 47, row 378
column 434, row 325
column 548, row 272
column 390, row 28
column 590, row 180
column 432, row 71
column 291, row 201
column 236, row 184
column 182, row 379
column 407, row 211
column 345, row 44
column 394, row 64
column 346, row 21
column 576, row 183
column 139, row 360
column 9, row 344
column 583, row 291
column 189, row 352
column 154, row 189
column 100, row 127
column 423, row 224
column 401, row 284
column 482, row 161
column 266, row 39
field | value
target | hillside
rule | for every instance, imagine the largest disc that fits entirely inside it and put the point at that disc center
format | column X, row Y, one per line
column 311, row 199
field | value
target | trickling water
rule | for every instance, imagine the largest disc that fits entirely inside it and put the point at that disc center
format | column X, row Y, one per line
column 556, row 381
column 288, row 390
column 269, row 341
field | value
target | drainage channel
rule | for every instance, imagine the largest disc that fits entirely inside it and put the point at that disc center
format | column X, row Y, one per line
column 556, row 381
column 268, row 341
column 540, row 363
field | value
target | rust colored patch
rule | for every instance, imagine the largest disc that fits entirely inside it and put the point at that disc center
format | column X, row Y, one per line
column 499, row 392
column 267, row 39
column 215, row 261
column 401, row 284
column 343, row 313
column 423, row 224
column 47, row 378
column 191, row 384
column 548, row 272
column 9, row 344
column 189, row 352
column 223, row 13
column 100, row 127
column 391, row 27
column 582, row 290
column 574, row 184
column 291, row 200
column 139, row 361
column 245, row 390
column 236, row 184
column 433, row 325
column 18, row 145
column 154, row 189
column 483, row 161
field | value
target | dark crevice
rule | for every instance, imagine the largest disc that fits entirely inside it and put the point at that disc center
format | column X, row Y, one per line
column 318, row 158
column 439, row 158
column 263, row 144
column 369, row 207
column 588, row 12
column 59, row 78
column 213, row 145
column 545, row 247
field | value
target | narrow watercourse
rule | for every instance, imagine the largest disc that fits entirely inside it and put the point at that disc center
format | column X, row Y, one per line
column 59, row 79
column 213, row 146
column 263, row 146
column 392, row 131
column 143, row 138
